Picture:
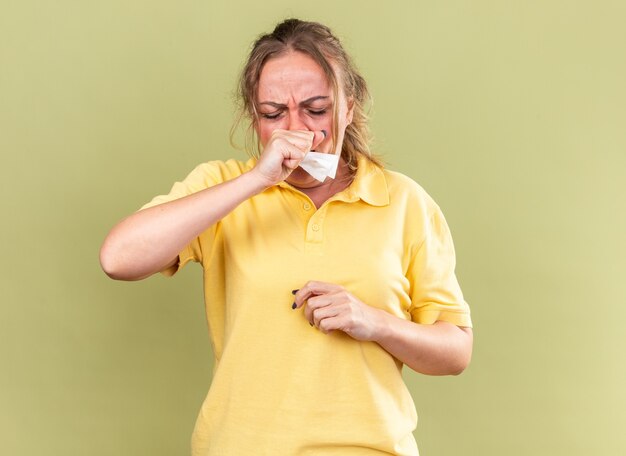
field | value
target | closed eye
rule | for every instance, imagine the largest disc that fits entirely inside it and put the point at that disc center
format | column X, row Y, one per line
column 276, row 115
column 271, row 116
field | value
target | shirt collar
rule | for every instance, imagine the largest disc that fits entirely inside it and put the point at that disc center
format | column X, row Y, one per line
column 369, row 183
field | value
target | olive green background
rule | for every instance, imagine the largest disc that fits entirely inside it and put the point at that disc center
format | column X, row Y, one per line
column 512, row 115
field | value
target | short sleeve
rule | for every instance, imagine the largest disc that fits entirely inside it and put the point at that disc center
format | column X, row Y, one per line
column 199, row 179
column 434, row 289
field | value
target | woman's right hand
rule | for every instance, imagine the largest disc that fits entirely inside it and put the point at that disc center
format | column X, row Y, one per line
column 283, row 153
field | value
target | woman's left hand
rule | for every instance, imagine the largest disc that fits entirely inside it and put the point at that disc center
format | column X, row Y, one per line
column 330, row 307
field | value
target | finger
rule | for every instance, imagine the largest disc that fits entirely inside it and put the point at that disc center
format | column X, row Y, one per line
column 330, row 324
column 299, row 138
column 290, row 145
column 318, row 315
column 314, row 288
column 303, row 134
column 317, row 302
column 292, row 157
column 309, row 140
column 283, row 155
column 318, row 138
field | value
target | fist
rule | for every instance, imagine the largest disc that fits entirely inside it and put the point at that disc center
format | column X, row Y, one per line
column 331, row 307
column 283, row 153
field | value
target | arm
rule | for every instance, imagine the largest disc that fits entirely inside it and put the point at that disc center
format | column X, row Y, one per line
column 150, row 240
column 438, row 349
column 128, row 251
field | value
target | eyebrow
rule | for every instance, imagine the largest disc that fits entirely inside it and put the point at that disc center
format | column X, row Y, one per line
column 308, row 101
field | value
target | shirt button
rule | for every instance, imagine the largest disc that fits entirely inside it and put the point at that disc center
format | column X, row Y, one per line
column 306, row 206
column 315, row 227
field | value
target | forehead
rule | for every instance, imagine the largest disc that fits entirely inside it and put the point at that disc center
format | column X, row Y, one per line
column 292, row 76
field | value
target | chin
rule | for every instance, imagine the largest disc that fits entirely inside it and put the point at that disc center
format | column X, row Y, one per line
column 300, row 178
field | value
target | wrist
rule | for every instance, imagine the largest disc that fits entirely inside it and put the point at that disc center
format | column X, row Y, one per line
column 382, row 326
column 254, row 182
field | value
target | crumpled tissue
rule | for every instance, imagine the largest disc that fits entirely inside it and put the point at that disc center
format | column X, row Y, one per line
column 320, row 165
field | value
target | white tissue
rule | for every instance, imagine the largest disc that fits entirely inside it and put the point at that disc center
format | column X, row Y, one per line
column 320, row 165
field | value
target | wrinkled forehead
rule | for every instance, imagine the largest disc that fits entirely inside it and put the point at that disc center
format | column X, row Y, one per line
column 293, row 76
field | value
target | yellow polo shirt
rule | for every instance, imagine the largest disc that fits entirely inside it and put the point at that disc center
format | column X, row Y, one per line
column 280, row 386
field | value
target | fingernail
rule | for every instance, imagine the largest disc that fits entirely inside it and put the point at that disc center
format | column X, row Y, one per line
column 294, row 291
column 293, row 306
column 324, row 132
column 311, row 323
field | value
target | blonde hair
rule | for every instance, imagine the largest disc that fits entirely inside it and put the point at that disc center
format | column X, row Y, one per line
column 318, row 42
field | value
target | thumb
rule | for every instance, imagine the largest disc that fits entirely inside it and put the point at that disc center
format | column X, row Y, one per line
column 320, row 135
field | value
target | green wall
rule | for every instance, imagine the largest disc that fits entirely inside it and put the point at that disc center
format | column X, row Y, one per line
column 512, row 115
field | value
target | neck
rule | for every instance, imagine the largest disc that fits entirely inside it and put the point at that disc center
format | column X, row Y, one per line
column 330, row 187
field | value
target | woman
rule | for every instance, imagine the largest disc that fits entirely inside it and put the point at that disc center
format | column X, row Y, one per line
column 316, row 292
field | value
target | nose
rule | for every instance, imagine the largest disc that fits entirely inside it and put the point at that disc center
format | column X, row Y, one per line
column 296, row 123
